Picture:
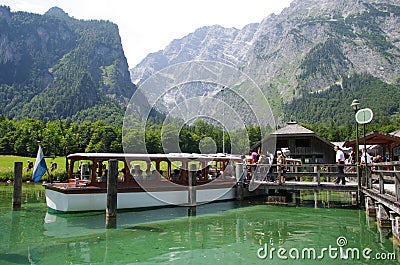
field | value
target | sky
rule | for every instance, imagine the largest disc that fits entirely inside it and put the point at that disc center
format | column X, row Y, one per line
column 146, row 26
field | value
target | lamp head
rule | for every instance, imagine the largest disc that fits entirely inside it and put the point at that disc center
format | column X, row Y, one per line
column 355, row 104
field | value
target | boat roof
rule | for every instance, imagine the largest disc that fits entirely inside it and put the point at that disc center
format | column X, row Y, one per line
column 105, row 156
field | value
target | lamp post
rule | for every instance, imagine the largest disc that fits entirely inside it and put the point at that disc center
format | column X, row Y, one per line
column 355, row 106
column 223, row 120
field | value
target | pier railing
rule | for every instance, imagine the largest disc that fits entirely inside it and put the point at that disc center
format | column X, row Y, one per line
column 383, row 178
column 302, row 172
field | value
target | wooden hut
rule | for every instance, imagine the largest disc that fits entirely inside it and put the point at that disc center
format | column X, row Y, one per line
column 303, row 144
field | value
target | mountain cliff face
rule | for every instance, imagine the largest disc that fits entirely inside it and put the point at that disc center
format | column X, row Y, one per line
column 307, row 48
column 53, row 66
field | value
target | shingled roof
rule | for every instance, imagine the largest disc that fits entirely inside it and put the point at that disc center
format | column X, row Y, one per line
column 292, row 128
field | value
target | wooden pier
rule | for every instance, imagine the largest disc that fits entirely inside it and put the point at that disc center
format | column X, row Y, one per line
column 378, row 186
column 381, row 188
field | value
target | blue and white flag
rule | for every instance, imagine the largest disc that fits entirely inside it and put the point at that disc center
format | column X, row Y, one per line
column 40, row 166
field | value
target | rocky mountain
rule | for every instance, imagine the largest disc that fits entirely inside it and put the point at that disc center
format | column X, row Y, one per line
column 53, row 66
column 308, row 48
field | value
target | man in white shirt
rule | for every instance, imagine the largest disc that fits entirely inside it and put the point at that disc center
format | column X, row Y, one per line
column 340, row 161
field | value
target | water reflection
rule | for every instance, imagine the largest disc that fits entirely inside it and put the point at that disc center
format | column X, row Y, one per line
column 226, row 232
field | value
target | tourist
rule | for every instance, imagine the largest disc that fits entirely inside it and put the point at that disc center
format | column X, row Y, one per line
column 30, row 165
column 254, row 157
column 270, row 161
column 123, row 175
column 53, row 166
column 262, row 161
column 378, row 159
column 103, row 177
column 351, row 158
column 386, row 158
column 281, row 165
column 363, row 155
column 340, row 161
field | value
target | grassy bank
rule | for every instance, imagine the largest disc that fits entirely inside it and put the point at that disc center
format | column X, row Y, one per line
column 7, row 168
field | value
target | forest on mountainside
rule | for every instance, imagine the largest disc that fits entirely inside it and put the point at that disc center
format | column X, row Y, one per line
column 53, row 66
column 332, row 105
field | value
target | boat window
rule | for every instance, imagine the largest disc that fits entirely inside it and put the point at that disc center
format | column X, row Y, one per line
column 122, row 173
column 82, row 170
column 214, row 169
column 102, row 171
column 176, row 171
column 164, row 169
column 228, row 172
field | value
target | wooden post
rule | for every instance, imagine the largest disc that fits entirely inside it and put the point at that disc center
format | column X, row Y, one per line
column 381, row 183
column 328, row 198
column 318, row 175
column 397, row 184
column 192, row 190
column 315, row 199
column 368, row 173
column 279, row 175
column 17, row 193
column 239, row 179
column 112, row 194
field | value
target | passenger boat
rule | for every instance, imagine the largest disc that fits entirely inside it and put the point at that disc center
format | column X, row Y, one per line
column 144, row 180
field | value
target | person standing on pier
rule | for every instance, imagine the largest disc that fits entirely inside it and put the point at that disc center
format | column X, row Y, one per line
column 270, row 157
column 340, row 160
column 364, row 155
column 281, row 165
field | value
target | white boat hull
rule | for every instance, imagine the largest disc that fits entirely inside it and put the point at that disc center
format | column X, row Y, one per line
column 67, row 202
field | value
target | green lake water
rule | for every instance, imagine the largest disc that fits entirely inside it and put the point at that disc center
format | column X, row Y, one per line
column 250, row 232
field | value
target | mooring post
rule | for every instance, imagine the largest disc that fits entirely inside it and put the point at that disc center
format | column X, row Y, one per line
column 17, row 193
column 239, row 180
column 382, row 217
column 192, row 190
column 395, row 229
column 370, row 207
column 112, row 194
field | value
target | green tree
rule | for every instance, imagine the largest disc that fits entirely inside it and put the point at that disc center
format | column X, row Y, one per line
column 29, row 134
